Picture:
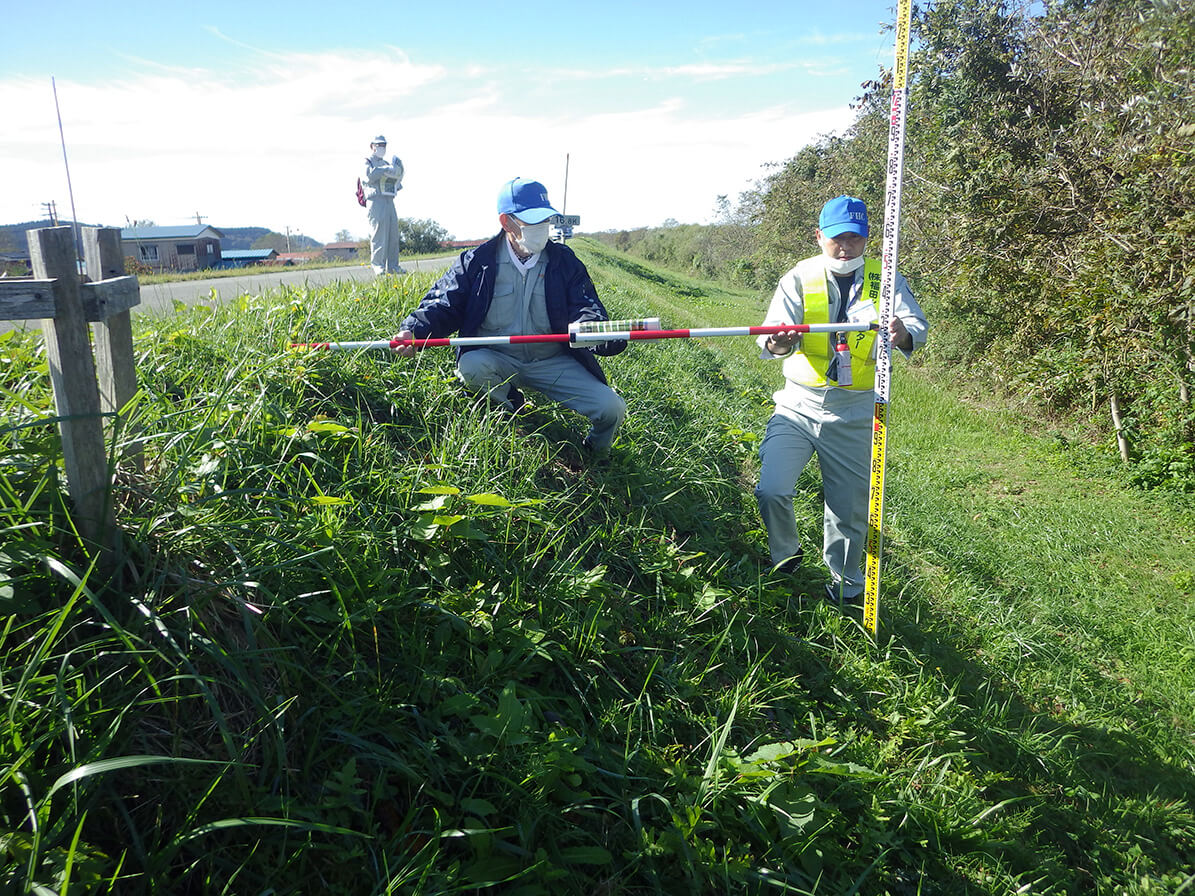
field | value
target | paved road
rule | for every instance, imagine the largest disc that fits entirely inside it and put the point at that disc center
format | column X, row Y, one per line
column 160, row 297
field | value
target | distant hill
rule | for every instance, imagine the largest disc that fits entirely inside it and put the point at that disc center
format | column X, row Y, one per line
column 245, row 237
column 240, row 237
column 12, row 236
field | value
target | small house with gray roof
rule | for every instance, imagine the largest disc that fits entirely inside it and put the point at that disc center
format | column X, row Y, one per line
column 185, row 248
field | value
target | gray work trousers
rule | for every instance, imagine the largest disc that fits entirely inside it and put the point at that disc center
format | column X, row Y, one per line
column 559, row 377
column 384, row 242
column 839, row 430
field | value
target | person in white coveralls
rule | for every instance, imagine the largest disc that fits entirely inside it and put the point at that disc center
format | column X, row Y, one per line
column 827, row 402
column 382, row 181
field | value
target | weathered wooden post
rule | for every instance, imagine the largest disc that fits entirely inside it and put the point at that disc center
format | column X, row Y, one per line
column 76, row 394
column 111, row 326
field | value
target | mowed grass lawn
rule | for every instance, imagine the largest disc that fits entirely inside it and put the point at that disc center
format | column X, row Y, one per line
column 365, row 638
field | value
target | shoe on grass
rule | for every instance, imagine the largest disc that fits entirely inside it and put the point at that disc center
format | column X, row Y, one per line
column 843, row 600
column 599, row 460
column 791, row 564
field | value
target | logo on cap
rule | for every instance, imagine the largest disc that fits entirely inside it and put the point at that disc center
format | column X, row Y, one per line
column 843, row 214
column 526, row 199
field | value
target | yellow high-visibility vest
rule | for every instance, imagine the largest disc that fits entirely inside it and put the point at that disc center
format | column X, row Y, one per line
column 809, row 363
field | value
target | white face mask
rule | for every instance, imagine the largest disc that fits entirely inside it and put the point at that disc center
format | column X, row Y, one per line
column 534, row 238
column 843, row 265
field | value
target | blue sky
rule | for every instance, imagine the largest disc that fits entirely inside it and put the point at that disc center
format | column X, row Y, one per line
column 256, row 115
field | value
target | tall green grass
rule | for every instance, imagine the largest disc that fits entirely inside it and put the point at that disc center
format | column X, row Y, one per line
column 365, row 637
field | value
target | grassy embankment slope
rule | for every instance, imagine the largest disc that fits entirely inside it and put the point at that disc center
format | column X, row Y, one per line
column 425, row 650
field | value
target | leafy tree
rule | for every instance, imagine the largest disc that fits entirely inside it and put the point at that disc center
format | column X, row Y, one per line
column 1049, row 198
column 421, row 235
column 788, row 201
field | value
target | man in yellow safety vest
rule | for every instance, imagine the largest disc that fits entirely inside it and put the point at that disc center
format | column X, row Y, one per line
column 827, row 402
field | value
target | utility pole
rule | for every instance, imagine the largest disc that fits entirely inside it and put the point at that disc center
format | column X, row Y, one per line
column 51, row 212
column 198, row 219
column 287, row 237
column 69, row 189
column 564, row 223
column 564, row 204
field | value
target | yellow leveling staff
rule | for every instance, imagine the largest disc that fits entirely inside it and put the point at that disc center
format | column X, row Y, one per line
column 896, row 162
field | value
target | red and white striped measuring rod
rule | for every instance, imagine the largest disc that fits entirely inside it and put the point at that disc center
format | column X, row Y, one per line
column 591, row 332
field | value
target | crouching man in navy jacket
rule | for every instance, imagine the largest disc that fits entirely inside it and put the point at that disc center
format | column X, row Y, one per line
column 521, row 283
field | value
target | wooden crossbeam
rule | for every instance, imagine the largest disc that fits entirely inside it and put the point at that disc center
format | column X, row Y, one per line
column 25, row 299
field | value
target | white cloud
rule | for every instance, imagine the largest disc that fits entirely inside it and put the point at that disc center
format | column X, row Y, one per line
column 278, row 143
column 705, row 71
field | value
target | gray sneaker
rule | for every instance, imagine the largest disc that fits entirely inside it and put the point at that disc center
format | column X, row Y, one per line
column 791, row 564
column 842, row 600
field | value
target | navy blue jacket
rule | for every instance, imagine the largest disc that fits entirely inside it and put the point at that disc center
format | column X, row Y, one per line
column 460, row 300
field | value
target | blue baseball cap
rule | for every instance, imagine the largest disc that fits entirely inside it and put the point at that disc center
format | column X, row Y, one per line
column 526, row 199
column 843, row 214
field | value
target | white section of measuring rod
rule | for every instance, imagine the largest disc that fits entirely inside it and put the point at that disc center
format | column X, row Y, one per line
column 696, row 333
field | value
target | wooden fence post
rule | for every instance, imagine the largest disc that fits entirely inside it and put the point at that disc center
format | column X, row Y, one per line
column 113, row 340
column 76, row 395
